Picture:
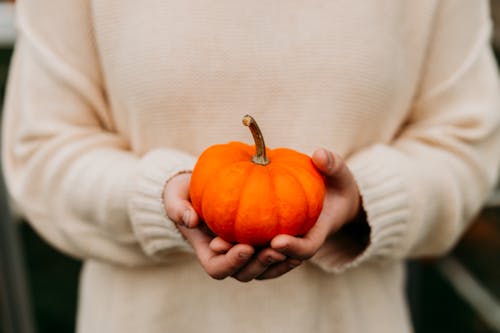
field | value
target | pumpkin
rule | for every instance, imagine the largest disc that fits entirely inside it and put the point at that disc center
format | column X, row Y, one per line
column 249, row 194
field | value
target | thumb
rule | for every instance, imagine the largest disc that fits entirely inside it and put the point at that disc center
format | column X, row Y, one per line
column 333, row 167
column 176, row 203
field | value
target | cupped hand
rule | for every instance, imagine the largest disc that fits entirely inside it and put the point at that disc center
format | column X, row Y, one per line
column 220, row 259
column 218, row 265
column 267, row 263
column 341, row 205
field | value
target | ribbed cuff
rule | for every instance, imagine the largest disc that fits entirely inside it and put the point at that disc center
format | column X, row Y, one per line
column 157, row 234
column 385, row 201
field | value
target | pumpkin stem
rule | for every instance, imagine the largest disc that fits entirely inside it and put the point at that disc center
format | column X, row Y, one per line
column 260, row 147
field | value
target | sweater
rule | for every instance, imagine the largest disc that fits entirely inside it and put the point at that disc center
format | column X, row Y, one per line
column 107, row 100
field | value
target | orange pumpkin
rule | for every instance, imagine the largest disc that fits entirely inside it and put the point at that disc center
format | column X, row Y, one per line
column 249, row 194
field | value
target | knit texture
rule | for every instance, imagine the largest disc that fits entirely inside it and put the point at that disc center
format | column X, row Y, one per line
column 107, row 100
column 154, row 230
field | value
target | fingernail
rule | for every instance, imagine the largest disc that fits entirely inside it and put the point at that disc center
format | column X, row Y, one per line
column 185, row 218
column 245, row 255
column 330, row 160
column 271, row 260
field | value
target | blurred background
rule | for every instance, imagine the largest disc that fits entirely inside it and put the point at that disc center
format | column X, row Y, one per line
column 458, row 293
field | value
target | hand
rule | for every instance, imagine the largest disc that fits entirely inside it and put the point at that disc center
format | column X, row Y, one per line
column 341, row 205
column 266, row 264
column 219, row 258
column 178, row 208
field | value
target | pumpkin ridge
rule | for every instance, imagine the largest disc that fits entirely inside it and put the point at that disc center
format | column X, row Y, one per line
column 203, row 189
column 283, row 156
column 291, row 171
column 215, row 175
column 273, row 191
column 220, row 149
column 250, row 170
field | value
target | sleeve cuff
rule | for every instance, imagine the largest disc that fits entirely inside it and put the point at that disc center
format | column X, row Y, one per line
column 156, row 233
column 385, row 203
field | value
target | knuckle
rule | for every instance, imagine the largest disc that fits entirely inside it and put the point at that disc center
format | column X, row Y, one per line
column 264, row 260
column 217, row 275
column 242, row 278
column 233, row 264
column 214, row 273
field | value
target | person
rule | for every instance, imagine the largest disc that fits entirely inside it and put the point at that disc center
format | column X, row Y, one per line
column 109, row 104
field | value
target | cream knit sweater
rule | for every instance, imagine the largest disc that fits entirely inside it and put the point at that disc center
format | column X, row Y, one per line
column 108, row 99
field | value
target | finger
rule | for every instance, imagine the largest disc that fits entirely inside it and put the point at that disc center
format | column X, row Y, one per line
column 189, row 216
column 332, row 166
column 279, row 269
column 219, row 245
column 181, row 212
column 301, row 247
column 259, row 264
column 198, row 239
column 177, row 205
column 220, row 266
column 341, row 181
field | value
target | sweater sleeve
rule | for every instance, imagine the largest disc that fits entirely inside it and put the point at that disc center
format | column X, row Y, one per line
column 421, row 190
column 73, row 176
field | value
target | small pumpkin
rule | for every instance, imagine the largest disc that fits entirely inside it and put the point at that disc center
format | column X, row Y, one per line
column 249, row 194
